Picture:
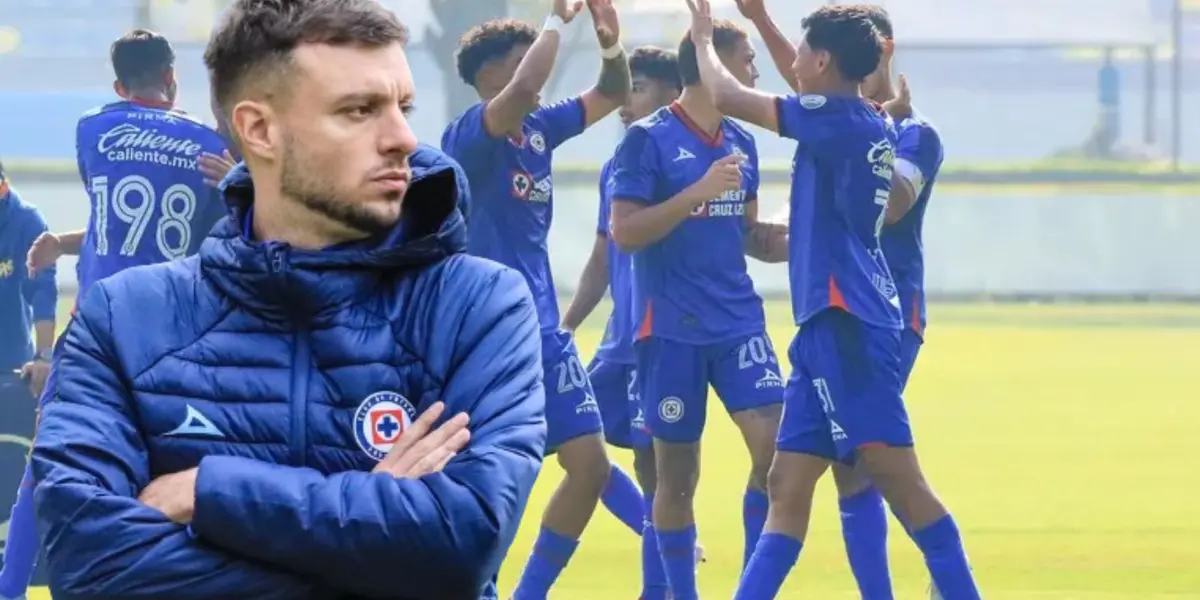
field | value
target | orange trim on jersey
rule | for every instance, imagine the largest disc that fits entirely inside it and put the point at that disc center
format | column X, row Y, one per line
column 916, row 315
column 836, row 299
column 163, row 104
column 3, row 188
column 711, row 140
column 646, row 328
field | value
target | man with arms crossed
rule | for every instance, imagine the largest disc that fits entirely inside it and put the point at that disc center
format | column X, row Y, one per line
column 844, row 397
column 613, row 373
column 506, row 145
column 262, row 420
column 918, row 159
column 684, row 197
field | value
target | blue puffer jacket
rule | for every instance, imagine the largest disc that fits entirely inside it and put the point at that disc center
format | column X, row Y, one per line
column 283, row 374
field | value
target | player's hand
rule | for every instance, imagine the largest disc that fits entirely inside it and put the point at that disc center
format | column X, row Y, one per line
column 566, row 9
column 34, row 373
column 215, row 168
column 421, row 449
column 45, row 251
column 173, row 495
column 725, row 175
column 751, row 9
column 900, row 107
column 702, row 21
column 604, row 19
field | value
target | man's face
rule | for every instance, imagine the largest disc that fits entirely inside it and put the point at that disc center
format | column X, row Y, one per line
column 345, row 137
column 739, row 60
column 647, row 96
column 811, row 67
column 501, row 71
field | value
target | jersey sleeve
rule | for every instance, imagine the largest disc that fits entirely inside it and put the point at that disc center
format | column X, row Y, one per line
column 808, row 119
column 635, row 168
column 563, row 120
column 918, row 153
column 467, row 140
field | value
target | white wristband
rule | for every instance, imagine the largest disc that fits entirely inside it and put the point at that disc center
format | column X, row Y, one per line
column 554, row 23
column 612, row 51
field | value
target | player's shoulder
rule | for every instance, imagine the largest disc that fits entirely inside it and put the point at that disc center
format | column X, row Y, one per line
column 737, row 132
column 920, row 123
column 22, row 208
column 464, row 281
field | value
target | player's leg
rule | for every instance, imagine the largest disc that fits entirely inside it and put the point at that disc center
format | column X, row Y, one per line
column 674, row 390
column 21, row 548
column 878, row 434
column 804, row 447
column 745, row 374
column 654, row 573
column 864, row 531
column 621, row 496
column 575, row 434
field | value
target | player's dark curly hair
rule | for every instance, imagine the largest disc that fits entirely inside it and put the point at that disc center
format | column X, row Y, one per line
column 848, row 34
column 490, row 41
column 726, row 33
column 140, row 58
column 880, row 17
column 656, row 64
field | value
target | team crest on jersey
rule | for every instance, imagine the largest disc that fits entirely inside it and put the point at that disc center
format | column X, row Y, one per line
column 812, row 101
column 521, row 185
column 537, row 141
column 380, row 420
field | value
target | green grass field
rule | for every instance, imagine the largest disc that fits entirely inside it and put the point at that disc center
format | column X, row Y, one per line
column 1066, row 439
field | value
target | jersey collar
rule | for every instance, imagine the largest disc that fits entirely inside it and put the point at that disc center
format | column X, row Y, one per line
column 710, row 140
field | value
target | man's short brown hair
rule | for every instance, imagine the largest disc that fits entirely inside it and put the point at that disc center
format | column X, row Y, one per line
column 725, row 35
column 255, row 39
column 141, row 58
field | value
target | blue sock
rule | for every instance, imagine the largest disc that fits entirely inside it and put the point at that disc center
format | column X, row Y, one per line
column 773, row 558
column 20, row 553
column 551, row 553
column 946, row 559
column 654, row 574
column 864, row 528
column 754, row 517
column 623, row 498
column 678, row 550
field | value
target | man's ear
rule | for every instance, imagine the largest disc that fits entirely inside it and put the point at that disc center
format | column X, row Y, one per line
column 119, row 89
column 251, row 122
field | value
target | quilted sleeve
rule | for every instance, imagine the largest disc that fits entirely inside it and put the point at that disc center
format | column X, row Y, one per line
column 90, row 464
column 439, row 537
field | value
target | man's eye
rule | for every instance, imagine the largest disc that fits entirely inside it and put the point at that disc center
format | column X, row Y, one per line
column 407, row 109
column 360, row 111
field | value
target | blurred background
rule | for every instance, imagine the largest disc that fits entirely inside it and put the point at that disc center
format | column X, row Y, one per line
column 1071, row 164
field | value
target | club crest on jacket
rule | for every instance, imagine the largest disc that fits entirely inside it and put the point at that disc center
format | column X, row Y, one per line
column 380, row 420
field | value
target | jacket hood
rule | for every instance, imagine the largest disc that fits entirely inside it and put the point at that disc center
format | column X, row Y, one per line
column 273, row 277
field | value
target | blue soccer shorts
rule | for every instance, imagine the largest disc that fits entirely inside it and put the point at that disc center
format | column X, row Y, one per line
column 615, row 385
column 675, row 378
column 910, row 346
column 845, row 389
column 571, row 408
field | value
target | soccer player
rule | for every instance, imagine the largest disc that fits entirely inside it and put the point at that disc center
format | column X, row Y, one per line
column 684, row 198
column 918, row 159
column 613, row 373
column 844, row 396
column 333, row 400
column 506, row 144
column 27, row 307
column 147, row 166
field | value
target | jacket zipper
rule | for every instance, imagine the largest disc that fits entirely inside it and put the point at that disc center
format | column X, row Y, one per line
column 301, row 367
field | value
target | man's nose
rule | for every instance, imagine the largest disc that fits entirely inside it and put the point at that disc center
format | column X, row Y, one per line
column 396, row 135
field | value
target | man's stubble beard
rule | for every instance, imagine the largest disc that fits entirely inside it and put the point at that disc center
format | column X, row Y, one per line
column 301, row 180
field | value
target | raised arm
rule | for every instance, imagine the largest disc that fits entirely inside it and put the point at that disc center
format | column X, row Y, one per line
column 782, row 51
column 507, row 111
column 918, row 158
column 613, row 87
column 441, row 536
column 90, row 462
column 728, row 94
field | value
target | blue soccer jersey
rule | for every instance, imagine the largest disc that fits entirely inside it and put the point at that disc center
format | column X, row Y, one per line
column 617, row 345
column 149, row 200
column 512, row 191
column 841, row 179
column 918, row 157
column 692, row 285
